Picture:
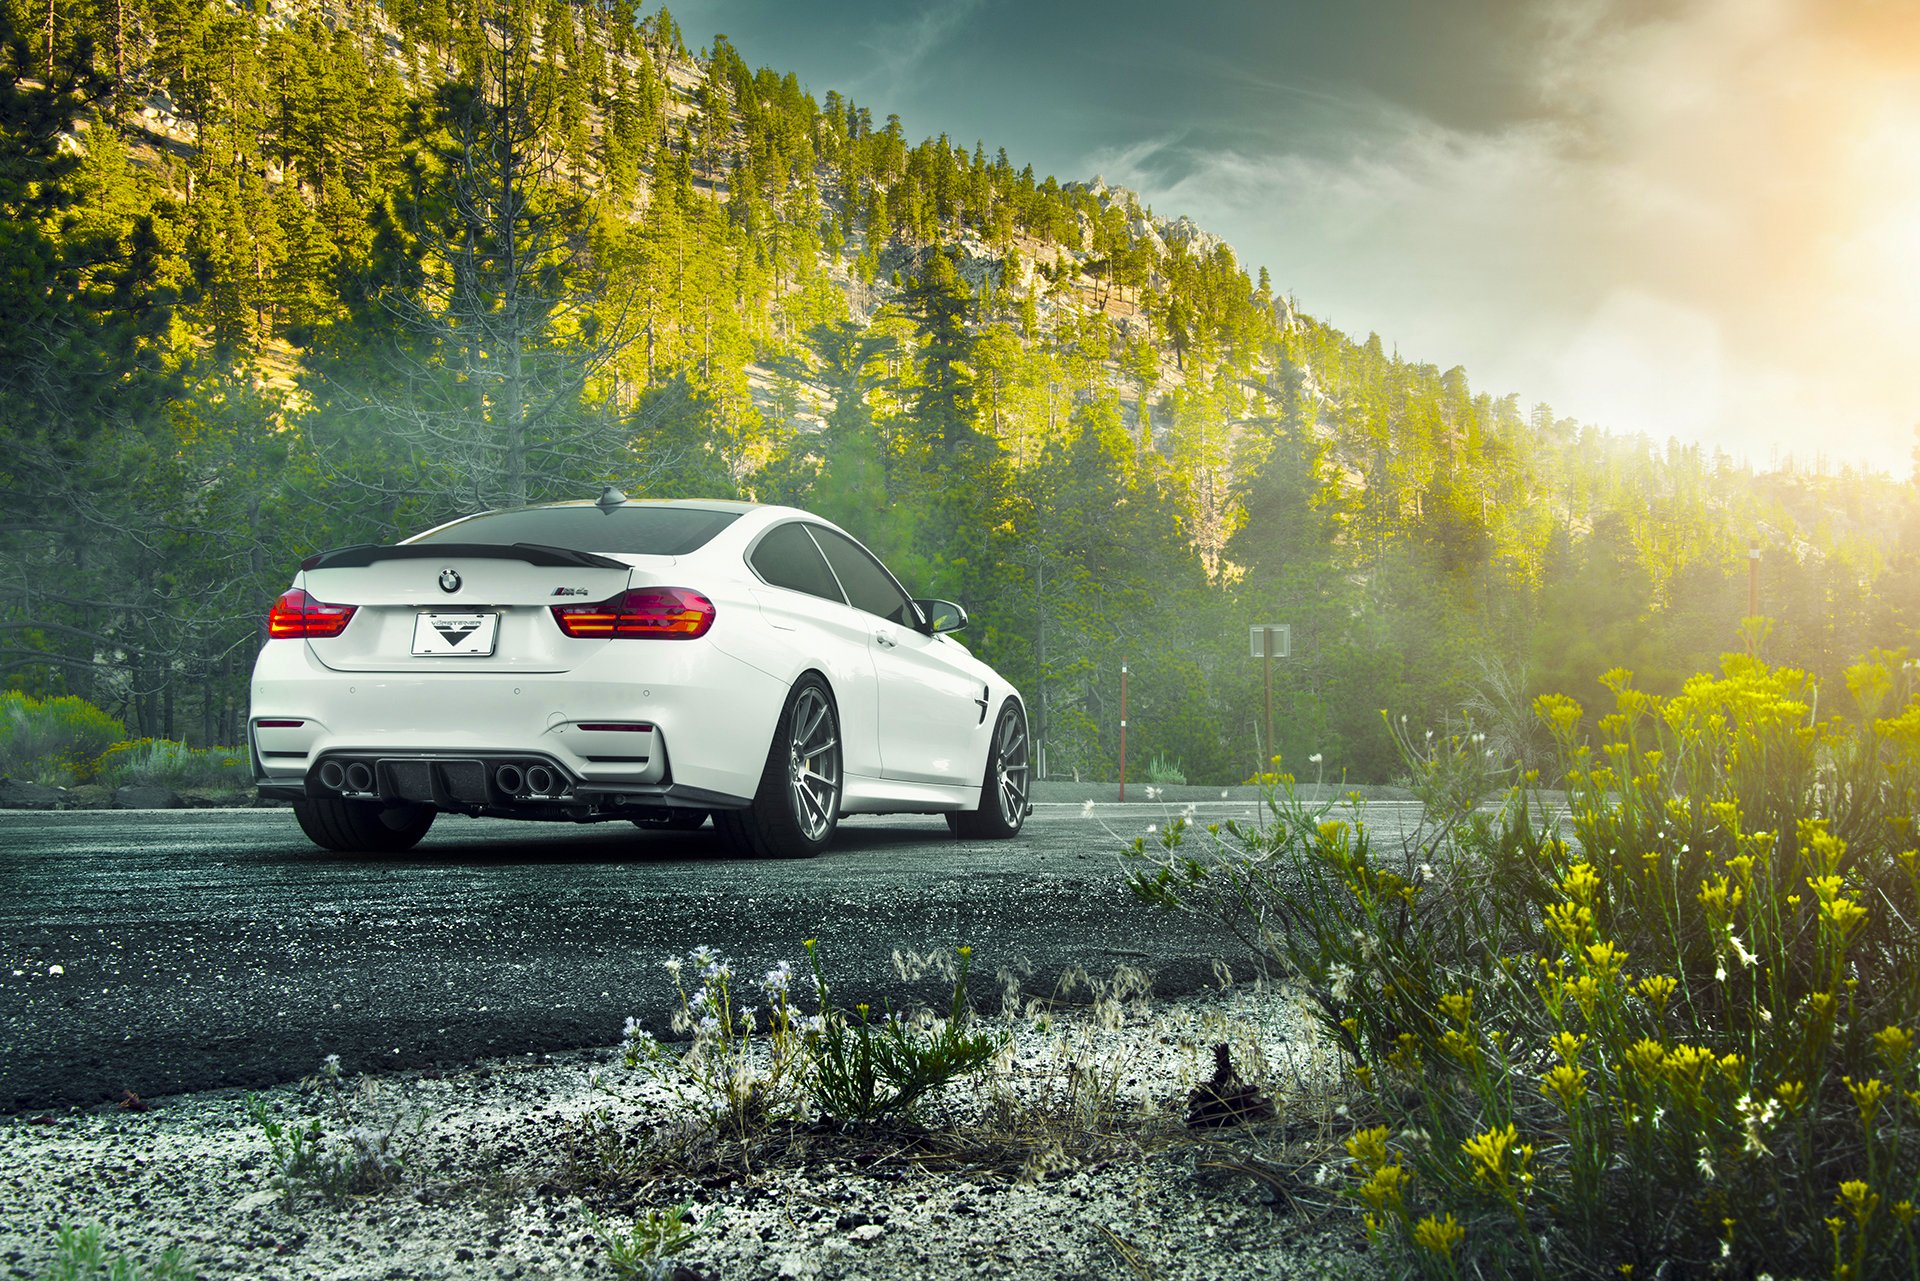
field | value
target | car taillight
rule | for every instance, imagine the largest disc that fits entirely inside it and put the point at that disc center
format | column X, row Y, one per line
column 297, row 614
column 658, row 613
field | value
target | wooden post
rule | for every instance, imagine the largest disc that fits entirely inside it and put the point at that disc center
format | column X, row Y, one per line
column 1266, row 637
column 1123, row 729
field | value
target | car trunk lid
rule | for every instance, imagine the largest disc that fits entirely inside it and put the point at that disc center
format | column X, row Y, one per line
column 459, row 608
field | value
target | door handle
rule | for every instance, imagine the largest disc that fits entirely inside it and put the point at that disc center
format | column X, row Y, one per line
column 885, row 638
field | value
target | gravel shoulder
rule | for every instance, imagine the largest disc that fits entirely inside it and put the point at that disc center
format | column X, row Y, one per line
column 1070, row 1159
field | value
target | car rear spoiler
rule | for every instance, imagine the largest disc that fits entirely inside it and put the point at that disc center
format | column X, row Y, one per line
column 361, row 555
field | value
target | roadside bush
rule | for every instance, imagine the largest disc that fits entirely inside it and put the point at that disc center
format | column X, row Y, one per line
column 53, row 741
column 1673, row 1034
column 745, row 1067
column 1165, row 771
column 84, row 1257
column 345, row 1146
column 165, row 763
column 865, row 1068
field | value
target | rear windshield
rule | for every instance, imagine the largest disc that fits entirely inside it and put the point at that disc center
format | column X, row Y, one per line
column 634, row 530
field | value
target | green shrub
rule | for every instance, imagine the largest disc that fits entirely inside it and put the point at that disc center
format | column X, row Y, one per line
column 82, row 1257
column 1672, row 1034
column 644, row 1252
column 163, row 762
column 743, row 1068
column 864, row 1069
column 53, row 741
column 348, row 1152
column 1165, row 772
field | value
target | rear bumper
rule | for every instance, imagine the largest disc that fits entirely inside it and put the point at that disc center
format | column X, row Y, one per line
column 697, row 735
column 577, row 803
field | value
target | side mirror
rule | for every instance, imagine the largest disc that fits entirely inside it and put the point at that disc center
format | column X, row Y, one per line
column 941, row 616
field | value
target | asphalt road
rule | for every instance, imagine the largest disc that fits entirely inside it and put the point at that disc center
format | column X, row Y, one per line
column 165, row 951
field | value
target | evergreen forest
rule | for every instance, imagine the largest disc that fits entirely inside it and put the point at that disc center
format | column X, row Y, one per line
column 283, row 275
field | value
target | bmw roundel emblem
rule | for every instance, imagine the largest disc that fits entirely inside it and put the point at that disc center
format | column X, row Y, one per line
column 449, row 580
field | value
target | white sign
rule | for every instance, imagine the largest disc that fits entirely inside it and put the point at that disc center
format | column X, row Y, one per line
column 1282, row 639
column 455, row 635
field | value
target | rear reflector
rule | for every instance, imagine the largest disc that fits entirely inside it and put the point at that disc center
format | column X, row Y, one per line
column 618, row 727
column 297, row 614
column 657, row 613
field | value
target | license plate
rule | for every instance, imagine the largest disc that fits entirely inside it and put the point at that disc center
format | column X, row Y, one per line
column 455, row 635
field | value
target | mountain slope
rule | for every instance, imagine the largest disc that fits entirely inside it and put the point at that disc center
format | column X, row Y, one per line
column 349, row 270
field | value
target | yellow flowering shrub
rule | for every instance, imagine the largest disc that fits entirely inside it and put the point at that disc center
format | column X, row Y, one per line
column 1665, row 1025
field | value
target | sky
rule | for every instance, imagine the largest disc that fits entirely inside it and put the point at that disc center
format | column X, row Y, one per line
column 1691, row 220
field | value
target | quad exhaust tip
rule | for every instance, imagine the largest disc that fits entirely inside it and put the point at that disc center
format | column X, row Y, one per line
column 514, row 780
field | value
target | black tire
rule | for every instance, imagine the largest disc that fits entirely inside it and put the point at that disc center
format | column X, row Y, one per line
column 797, row 805
column 372, row 827
column 673, row 821
column 1006, row 790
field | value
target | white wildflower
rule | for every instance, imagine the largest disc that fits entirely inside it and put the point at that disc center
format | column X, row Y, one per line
column 1086, row 808
column 1315, row 759
column 672, row 964
column 1152, row 829
column 777, row 979
column 1340, row 981
column 1756, row 1118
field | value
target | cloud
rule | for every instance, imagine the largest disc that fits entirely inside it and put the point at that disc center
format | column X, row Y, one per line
column 903, row 50
column 1707, row 223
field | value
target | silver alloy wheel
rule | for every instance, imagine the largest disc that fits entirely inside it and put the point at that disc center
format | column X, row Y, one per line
column 1010, row 780
column 813, row 758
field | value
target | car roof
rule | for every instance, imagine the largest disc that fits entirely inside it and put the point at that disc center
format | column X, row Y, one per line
column 695, row 504
column 755, row 516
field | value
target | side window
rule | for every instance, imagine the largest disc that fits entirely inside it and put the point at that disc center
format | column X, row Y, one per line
column 869, row 587
column 786, row 557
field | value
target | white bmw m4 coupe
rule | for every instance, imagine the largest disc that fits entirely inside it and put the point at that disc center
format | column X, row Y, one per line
column 657, row 662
